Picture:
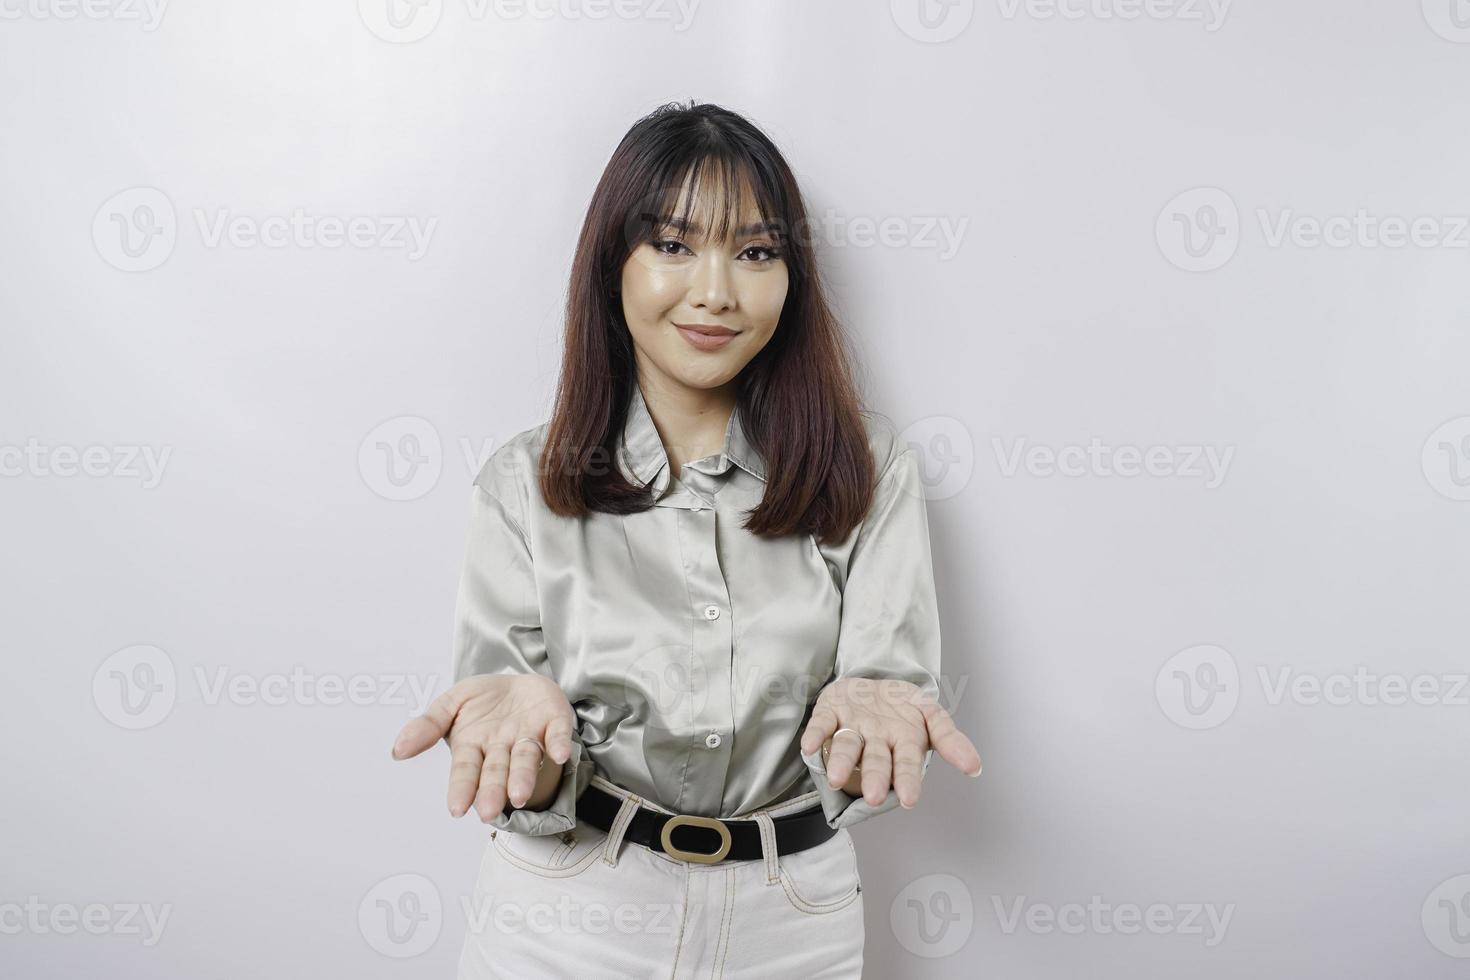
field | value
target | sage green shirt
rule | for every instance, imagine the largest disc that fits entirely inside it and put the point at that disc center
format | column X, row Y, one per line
column 692, row 650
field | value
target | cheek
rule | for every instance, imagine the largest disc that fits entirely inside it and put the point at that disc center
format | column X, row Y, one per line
column 648, row 292
column 766, row 299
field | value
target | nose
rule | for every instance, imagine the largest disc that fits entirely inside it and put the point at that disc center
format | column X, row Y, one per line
column 710, row 286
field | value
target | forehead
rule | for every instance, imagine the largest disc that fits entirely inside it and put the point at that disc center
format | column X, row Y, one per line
column 718, row 199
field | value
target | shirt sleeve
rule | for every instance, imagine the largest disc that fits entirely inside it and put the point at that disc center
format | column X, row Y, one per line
column 498, row 631
column 890, row 613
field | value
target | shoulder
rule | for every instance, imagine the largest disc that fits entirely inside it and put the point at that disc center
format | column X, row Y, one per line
column 885, row 443
column 511, row 471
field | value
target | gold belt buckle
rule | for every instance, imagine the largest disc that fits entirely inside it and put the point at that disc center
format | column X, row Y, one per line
column 683, row 855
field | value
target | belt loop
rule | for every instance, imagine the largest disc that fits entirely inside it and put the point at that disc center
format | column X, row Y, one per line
column 768, row 846
column 619, row 827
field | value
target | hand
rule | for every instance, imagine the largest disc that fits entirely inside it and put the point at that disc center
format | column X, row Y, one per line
column 898, row 722
column 481, row 717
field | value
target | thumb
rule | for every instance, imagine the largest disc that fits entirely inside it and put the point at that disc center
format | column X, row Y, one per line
column 421, row 732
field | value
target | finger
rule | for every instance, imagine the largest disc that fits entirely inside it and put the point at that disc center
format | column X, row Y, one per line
column 525, row 760
column 846, row 748
column 423, row 731
column 952, row 744
column 821, row 726
column 908, row 770
column 490, row 800
column 877, row 769
column 464, row 775
column 558, row 739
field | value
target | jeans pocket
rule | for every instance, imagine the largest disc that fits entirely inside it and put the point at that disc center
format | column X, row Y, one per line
column 563, row 855
column 824, row 878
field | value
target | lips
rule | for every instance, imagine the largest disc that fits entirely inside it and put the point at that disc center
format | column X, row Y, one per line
column 707, row 329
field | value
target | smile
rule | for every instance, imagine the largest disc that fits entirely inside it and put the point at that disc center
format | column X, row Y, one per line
column 706, row 336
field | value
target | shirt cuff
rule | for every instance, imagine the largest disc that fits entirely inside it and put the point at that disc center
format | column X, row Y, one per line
column 561, row 815
column 842, row 810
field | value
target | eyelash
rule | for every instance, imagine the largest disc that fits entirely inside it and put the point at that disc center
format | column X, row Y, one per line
column 772, row 253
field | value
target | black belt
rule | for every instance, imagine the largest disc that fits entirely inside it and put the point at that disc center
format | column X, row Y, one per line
column 723, row 840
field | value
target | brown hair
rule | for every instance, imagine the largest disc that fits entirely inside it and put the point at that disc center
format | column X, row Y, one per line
column 798, row 402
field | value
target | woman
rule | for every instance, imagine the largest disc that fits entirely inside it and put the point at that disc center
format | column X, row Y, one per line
column 707, row 566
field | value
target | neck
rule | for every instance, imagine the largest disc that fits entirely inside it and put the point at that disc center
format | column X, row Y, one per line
column 691, row 422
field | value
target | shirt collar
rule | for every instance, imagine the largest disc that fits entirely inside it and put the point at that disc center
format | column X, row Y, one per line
column 641, row 451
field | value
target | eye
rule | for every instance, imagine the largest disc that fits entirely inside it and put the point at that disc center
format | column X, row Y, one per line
column 660, row 245
column 770, row 253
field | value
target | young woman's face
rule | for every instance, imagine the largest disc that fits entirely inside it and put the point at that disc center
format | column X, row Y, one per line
column 683, row 279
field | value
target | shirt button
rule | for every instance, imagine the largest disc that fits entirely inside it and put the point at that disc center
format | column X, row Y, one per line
column 712, row 740
column 711, row 612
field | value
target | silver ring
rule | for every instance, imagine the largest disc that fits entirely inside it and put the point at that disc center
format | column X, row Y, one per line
column 533, row 741
column 855, row 732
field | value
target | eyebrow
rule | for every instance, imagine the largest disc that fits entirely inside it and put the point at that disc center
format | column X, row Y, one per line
column 682, row 225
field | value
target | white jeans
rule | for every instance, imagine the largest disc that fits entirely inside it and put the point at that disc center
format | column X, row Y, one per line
column 592, row 904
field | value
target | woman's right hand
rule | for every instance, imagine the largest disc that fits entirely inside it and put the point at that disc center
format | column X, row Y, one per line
column 482, row 717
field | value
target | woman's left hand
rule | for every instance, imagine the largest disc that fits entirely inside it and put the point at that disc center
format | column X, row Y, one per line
column 898, row 722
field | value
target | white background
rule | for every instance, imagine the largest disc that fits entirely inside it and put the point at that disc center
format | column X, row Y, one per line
column 1080, row 609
